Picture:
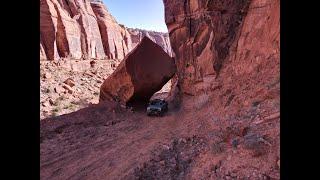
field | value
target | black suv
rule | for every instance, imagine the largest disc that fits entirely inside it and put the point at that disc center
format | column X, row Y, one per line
column 157, row 107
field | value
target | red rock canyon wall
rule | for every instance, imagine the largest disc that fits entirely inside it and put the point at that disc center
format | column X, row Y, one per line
column 84, row 29
column 115, row 38
column 68, row 29
column 229, row 48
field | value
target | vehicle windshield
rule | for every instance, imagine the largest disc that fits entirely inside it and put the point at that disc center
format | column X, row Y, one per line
column 153, row 103
column 156, row 102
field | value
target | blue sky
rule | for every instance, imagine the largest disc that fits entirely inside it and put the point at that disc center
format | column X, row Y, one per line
column 143, row 14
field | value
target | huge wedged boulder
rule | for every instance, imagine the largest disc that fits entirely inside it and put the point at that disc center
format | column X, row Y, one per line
column 144, row 71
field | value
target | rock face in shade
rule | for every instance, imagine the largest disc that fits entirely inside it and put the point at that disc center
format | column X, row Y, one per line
column 201, row 34
column 227, row 48
column 69, row 29
column 160, row 38
column 116, row 39
column 142, row 73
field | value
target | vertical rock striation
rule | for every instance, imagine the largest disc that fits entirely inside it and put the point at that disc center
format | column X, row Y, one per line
column 116, row 39
column 68, row 29
column 84, row 29
column 201, row 34
column 220, row 43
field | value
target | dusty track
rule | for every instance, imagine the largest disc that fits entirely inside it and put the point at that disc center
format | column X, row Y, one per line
column 100, row 143
column 107, row 141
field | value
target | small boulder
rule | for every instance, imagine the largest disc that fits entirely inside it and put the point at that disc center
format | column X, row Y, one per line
column 92, row 64
column 68, row 88
column 59, row 89
column 46, row 104
column 47, row 75
column 70, row 82
column 51, row 101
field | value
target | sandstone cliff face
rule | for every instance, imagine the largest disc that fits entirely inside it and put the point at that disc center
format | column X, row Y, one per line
column 201, row 33
column 228, row 48
column 69, row 29
column 115, row 38
column 85, row 29
column 160, row 38
column 42, row 52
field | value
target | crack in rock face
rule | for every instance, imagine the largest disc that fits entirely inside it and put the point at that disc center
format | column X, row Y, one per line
column 201, row 34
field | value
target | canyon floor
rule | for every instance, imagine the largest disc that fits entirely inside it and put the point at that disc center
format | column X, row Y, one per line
column 110, row 141
column 68, row 86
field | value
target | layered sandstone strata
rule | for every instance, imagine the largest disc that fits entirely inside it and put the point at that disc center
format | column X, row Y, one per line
column 142, row 73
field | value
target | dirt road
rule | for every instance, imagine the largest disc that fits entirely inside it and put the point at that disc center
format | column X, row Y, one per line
column 107, row 141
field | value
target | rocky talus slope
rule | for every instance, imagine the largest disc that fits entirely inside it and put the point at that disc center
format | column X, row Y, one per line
column 68, row 86
column 85, row 29
column 225, row 126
